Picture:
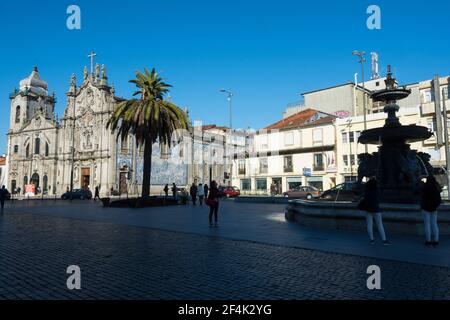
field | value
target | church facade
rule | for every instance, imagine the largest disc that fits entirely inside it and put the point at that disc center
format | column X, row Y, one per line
column 50, row 152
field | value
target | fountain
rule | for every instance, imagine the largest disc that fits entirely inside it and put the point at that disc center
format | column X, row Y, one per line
column 398, row 169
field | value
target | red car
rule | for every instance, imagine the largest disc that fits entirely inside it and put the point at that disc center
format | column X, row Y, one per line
column 229, row 192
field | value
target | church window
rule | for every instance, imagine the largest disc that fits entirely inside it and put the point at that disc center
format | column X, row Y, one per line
column 16, row 148
column 47, row 149
column 27, row 151
column 17, row 114
column 37, row 146
column 124, row 148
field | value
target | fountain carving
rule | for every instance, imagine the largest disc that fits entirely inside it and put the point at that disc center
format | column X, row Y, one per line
column 397, row 167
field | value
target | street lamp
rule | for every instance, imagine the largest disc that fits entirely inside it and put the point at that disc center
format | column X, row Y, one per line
column 349, row 125
column 362, row 59
column 229, row 98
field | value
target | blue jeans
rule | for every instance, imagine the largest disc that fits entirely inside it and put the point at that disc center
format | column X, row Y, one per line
column 379, row 222
column 430, row 223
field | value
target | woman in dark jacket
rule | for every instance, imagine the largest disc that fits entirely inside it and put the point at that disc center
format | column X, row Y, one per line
column 213, row 197
column 371, row 204
column 430, row 201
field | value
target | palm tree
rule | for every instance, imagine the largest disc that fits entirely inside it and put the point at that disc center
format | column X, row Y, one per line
column 149, row 118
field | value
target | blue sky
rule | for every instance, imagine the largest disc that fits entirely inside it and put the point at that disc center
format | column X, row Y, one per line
column 266, row 52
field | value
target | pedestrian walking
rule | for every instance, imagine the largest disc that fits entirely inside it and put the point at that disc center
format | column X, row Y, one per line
column 273, row 189
column 97, row 193
column 3, row 196
column 193, row 192
column 370, row 203
column 201, row 194
column 213, row 203
column 430, row 202
column 206, row 189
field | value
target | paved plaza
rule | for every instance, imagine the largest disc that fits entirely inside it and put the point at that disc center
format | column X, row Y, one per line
column 171, row 253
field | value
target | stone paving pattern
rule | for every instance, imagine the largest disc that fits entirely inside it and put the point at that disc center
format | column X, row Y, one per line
column 128, row 262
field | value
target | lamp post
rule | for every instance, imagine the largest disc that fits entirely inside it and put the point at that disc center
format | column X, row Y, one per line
column 349, row 125
column 362, row 59
column 230, row 99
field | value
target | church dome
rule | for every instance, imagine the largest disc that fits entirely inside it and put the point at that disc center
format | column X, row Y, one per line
column 34, row 83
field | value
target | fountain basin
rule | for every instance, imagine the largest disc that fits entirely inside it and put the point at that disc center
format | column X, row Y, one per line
column 403, row 219
column 408, row 134
column 390, row 94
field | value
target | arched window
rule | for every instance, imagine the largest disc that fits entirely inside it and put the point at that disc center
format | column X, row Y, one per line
column 27, row 151
column 17, row 114
column 37, row 146
column 44, row 184
column 47, row 149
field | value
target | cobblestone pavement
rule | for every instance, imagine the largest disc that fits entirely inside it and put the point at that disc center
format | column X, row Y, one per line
column 127, row 262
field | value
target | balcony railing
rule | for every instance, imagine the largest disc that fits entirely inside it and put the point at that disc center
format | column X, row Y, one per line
column 288, row 169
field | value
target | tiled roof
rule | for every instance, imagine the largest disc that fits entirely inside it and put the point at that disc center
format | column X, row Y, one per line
column 303, row 118
column 2, row 161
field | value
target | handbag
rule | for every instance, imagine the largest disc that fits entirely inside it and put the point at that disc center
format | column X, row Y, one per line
column 211, row 202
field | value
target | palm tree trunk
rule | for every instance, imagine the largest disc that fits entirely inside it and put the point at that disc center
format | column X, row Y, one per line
column 147, row 168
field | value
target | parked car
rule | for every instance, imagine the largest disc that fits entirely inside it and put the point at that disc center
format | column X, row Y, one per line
column 77, row 194
column 347, row 191
column 303, row 192
column 229, row 192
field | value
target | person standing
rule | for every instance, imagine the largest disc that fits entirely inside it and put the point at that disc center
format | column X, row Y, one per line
column 430, row 201
column 371, row 205
column 213, row 202
column 193, row 192
column 206, row 189
column 174, row 191
column 166, row 190
column 96, row 193
column 3, row 195
column 201, row 194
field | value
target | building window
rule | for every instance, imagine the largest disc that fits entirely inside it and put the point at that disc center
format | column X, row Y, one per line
column 445, row 93
column 351, row 137
column 345, row 160
column 261, row 184
column 317, row 137
column 263, row 166
column 16, row 148
column 318, row 162
column 241, row 167
column 357, row 135
column 289, row 139
column 352, row 159
column 344, row 137
column 245, row 184
column 264, row 142
column 47, row 149
column 427, row 96
column 37, row 146
column 124, row 146
column 27, row 151
column 431, row 124
column 288, row 165
column 14, row 186
column 17, row 114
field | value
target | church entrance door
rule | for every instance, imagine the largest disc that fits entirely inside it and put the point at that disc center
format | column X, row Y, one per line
column 35, row 180
column 123, row 183
column 85, row 178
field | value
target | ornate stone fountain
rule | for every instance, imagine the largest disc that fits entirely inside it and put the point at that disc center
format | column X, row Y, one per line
column 398, row 168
